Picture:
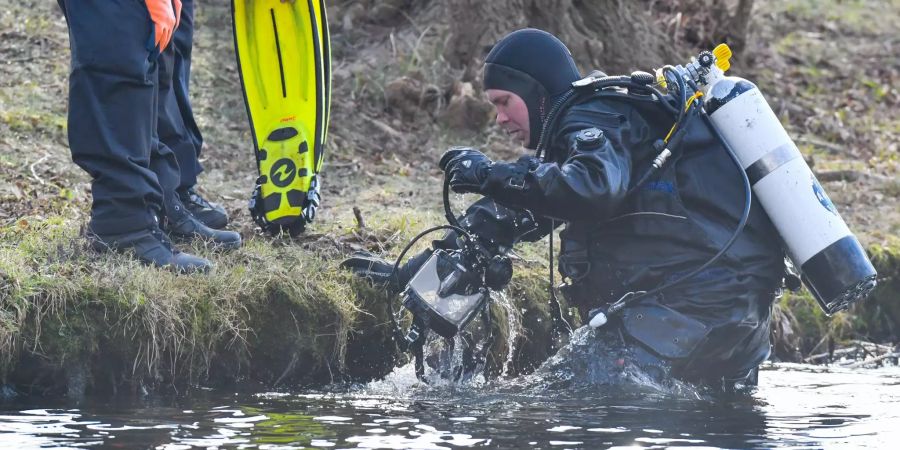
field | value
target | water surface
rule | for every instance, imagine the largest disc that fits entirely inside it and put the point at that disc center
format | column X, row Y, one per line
column 795, row 406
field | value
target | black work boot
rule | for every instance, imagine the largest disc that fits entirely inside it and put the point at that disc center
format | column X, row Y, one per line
column 181, row 224
column 151, row 247
column 211, row 214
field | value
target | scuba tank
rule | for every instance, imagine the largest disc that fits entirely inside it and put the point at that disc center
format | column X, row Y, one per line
column 831, row 260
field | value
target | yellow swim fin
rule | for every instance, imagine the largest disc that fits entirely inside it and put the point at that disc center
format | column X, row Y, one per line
column 284, row 58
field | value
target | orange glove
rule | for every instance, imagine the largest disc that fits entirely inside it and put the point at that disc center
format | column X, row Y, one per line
column 177, row 6
column 164, row 20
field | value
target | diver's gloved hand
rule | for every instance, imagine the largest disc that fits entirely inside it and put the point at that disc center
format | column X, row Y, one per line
column 467, row 169
column 377, row 270
column 165, row 15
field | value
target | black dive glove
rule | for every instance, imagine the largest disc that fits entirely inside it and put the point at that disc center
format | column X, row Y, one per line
column 470, row 171
column 378, row 271
column 467, row 169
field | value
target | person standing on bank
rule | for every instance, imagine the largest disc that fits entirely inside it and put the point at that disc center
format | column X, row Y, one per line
column 178, row 128
column 121, row 102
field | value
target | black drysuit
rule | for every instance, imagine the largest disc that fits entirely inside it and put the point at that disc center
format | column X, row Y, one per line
column 713, row 326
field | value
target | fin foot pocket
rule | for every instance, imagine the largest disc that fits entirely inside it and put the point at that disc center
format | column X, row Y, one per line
column 282, row 134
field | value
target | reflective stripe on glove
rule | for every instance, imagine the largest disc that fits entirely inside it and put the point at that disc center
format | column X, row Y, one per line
column 467, row 169
column 366, row 265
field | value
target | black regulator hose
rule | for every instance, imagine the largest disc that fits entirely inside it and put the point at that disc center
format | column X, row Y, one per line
column 448, row 211
column 591, row 87
column 682, row 90
column 453, row 226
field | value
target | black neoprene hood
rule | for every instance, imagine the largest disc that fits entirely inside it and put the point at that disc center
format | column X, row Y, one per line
column 534, row 65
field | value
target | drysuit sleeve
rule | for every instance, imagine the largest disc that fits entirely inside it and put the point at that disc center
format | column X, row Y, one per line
column 589, row 183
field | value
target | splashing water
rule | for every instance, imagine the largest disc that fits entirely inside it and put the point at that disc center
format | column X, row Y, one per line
column 513, row 331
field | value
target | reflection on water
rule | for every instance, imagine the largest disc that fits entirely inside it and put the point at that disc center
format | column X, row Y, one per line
column 796, row 406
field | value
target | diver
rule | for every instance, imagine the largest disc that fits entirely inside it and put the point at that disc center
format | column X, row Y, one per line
column 621, row 239
column 120, row 122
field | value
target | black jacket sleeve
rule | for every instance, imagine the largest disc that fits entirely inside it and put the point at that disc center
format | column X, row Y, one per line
column 583, row 180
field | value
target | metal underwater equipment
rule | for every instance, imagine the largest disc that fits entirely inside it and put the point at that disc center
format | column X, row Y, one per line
column 449, row 290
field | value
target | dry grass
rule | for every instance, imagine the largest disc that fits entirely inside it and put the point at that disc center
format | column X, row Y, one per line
column 63, row 300
column 273, row 304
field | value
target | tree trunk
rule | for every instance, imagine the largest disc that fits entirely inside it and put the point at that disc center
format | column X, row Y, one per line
column 740, row 25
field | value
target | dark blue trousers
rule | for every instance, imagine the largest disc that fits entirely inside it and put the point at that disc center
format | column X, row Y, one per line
column 178, row 129
column 119, row 89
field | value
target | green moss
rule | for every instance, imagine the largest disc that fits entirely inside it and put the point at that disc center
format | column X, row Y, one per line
column 807, row 322
column 858, row 16
column 371, row 352
column 32, row 122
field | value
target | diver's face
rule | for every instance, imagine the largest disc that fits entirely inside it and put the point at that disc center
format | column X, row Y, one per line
column 512, row 114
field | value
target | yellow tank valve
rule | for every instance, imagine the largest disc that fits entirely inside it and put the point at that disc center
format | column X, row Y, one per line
column 660, row 78
column 723, row 54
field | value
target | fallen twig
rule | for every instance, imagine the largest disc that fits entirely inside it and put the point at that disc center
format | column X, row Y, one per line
column 838, row 352
column 880, row 347
column 821, row 341
column 415, row 49
column 26, row 59
column 872, row 360
column 360, row 221
column 34, row 173
column 383, row 127
column 838, row 175
column 833, row 148
column 287, row 370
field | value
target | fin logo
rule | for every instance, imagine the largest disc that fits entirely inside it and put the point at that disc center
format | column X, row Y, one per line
column 822, row 196
column 282, row 172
